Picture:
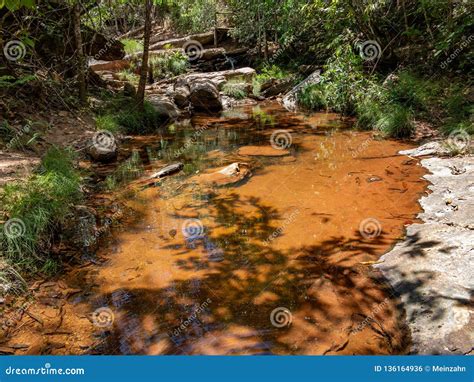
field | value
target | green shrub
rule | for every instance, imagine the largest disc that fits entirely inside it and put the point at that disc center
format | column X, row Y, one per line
column 369, row 112
column 132, row 46
column 121, row 113
column 107, row 122
column 267, row 73
column 40, row 204
column 412, row 91
column 313, row 97
column 235, row 89
column 395, row 121
column 128, row 75
column 135, row 121
column 169, row 64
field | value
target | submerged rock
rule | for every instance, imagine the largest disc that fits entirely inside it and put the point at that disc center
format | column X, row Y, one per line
column 264, row 151
column 224, row 176
column 168, row 170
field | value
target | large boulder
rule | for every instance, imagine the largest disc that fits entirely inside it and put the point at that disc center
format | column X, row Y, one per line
column 290, row 101
column 164, row 107
column 103, row 147
column 204, row 96
column 181, row 96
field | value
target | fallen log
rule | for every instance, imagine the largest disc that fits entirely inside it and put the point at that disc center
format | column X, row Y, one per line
column 202, row 38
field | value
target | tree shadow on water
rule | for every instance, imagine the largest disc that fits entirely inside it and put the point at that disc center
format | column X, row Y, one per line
column 254, row 297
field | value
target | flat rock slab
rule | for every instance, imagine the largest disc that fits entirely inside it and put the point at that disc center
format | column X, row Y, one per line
column 264, row 151
column 225, row 176
column 431, row 270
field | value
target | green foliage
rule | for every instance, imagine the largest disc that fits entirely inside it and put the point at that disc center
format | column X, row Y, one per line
column 396, row 121
column 235, row 89
column 107, row 122
column 267, row 73
column 413, row 91
column 313, row 97
column 128, row 75
column 120, row 113
column 131, row 46
column 135, row 121
column 341, row 86
column 12, row 82
column 169, row 65
column 14, row 5
column 191, row 16
column 41, row 203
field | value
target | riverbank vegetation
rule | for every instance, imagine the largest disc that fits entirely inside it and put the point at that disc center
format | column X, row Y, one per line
column 36, row 208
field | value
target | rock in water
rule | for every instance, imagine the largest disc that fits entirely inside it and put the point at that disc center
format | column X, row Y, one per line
column 205, row 96
column 164, row 107
column 103, row 147
column 228, row 175
column 290, row 101
column 168, row 170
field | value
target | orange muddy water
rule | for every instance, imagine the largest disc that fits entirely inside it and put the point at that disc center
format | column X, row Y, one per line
column 277, row 263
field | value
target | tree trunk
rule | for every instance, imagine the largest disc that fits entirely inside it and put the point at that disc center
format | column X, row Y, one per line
column 81, row 62
column 146, row 48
